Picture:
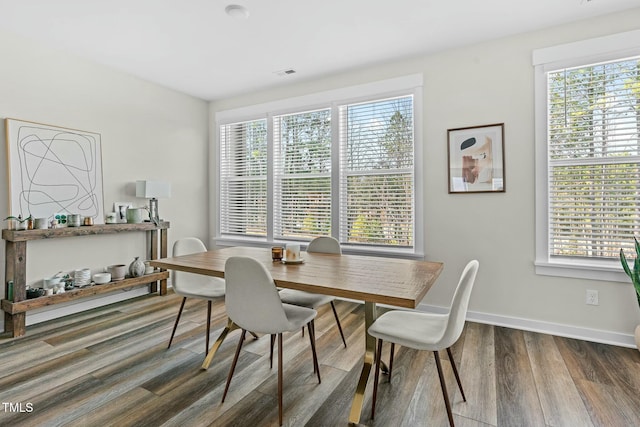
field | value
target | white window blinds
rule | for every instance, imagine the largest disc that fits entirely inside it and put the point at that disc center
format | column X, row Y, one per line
column 594, row 158
column 302, row 175
column 243, row 176
column 376, row 177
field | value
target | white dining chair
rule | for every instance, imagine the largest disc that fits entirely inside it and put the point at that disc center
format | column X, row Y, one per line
column 190, row 285
column 327, row 245
column 253, row 304
column 426, row 331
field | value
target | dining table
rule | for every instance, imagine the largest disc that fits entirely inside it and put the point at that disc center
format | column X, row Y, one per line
column 391, row 281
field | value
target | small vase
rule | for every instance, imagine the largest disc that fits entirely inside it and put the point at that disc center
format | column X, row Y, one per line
column 637, row 335
column 136, row 268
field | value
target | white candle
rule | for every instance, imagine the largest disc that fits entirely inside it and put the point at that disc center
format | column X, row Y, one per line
column 293, row 252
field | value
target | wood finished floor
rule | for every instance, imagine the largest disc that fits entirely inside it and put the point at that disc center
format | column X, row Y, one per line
column 110, row 367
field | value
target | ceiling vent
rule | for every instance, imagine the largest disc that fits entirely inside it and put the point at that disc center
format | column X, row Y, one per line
column 286, row 72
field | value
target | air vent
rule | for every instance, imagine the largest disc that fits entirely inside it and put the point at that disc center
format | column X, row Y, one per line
column 286, row 72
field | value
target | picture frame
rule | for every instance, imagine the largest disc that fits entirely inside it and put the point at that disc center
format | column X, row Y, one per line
column 476, row 159
column 120, row 208
column 53, row 170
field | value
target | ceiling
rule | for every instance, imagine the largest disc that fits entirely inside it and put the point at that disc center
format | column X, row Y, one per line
column 194, row 47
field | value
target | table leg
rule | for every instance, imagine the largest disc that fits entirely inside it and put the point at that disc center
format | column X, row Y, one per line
column 230, row 327
column 369, row 359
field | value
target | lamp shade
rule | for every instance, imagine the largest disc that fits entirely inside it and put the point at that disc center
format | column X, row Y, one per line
column 153, row 189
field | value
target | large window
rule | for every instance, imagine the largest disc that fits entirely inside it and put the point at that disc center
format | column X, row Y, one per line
column 591, row 205
column 345, row 169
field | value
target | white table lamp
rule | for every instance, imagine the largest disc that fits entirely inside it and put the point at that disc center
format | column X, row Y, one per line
column 153, row 190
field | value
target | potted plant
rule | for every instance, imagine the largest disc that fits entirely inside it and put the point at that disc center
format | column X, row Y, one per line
column 634, row 274
column 21, row 223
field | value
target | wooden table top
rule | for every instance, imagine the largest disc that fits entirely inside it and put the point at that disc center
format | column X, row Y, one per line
column 393, row 281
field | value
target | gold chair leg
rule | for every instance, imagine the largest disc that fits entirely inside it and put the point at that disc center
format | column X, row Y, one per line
column 233, row 364
column 175, row 325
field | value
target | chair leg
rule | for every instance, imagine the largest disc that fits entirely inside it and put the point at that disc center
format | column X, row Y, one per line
column 233, row 365
column 312, row 339
column 253, row 334
column 312, row 325
column 280, row 378
column 393, row 348
column 376, row 377
column 335, row 313
column 208, row 326
column 175, row 325
column 273, row 340
column 444, row 389
column 455, row 371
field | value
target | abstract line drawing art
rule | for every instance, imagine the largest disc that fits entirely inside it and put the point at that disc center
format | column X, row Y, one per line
column 476, row 159
column 54, row 170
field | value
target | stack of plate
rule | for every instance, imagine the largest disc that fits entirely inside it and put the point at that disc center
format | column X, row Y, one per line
column 82, row 277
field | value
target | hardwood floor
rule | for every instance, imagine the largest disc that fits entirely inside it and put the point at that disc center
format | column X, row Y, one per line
column 110, row 366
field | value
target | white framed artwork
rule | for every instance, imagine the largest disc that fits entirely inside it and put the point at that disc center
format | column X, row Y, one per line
column 52, row 170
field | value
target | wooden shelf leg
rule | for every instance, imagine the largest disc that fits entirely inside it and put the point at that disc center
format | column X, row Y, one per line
column 15, row 324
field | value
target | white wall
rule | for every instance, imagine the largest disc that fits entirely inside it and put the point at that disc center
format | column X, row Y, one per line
column 148, row 132
column 483, row 84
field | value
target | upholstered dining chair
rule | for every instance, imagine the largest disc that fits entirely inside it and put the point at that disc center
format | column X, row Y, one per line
column 253, row 304
column 327, row 245
column 426, row 331
column 190, row 285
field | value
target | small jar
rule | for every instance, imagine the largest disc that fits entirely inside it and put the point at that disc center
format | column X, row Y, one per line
column 73, row 220
column 276, row 253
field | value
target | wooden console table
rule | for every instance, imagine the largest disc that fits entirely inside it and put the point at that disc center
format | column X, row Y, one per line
column 16, row 265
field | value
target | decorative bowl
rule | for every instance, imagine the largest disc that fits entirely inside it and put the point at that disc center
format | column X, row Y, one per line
column 50, row 282
column 34, row 292
column 101, row 278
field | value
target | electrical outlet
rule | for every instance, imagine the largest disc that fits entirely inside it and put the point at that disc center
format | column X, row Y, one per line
column 592, row 297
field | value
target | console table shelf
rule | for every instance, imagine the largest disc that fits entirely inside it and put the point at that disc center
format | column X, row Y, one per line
column 15, row 268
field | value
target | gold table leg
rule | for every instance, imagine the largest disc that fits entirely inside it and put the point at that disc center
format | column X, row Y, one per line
column 369, row 358
column 212, row 352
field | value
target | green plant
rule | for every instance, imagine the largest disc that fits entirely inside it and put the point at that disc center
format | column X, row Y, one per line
column 18, row 218
column 634, row 273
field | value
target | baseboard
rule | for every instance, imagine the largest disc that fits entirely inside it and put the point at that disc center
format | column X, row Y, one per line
column 567, row 331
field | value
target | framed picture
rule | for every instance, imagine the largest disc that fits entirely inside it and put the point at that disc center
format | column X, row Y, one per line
column 53, row 170
column 120, row 208
column 476, row 159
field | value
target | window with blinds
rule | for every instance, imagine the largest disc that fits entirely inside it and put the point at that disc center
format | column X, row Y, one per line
column 302, row 175
column 340, row 166
column 593, row 122
column 243, row 178
column 376, row 177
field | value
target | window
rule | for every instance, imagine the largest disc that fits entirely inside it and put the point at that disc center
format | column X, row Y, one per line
column 342, row 168
column 243, row 168
column 377, row 172
column 302, row 172
column 591, row 165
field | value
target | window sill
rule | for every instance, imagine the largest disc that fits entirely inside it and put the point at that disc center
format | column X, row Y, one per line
column 609, row 270
column 346, row 249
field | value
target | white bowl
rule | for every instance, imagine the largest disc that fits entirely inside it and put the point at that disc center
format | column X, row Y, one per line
column 102, row 278
column 50, row 282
